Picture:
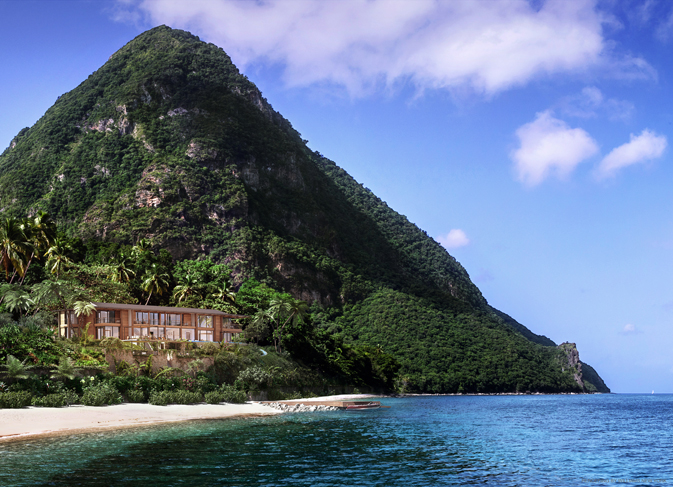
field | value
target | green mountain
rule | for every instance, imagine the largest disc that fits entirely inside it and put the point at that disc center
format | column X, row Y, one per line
column 168, row 141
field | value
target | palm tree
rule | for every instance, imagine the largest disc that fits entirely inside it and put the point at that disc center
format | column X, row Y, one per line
column 225, row 292
column 288, row 309
column 57, row 258
column 85, row 308
column 121, row 270
column 259, row 326
column 187, row 288
column 42, row 232
column 15, row 247
column 143, row 246
column 155, row 281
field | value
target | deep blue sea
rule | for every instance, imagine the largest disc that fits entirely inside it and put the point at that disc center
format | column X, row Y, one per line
column 421, row 441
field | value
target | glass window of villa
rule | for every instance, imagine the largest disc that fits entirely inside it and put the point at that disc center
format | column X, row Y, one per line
column 172, row 333
column 107, row 332
column 205, row 336
column 142, row 318
column 188, row 334
column 172, row 319
column 140, row 332
column 154, row 319
column 156, row 331
column 205, row 321
column 105, row 316
column 72, row 318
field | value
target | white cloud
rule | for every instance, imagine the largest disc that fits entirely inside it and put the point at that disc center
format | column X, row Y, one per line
column 454, row 239
column 591, row 102
column 630, row 329
column 644, row 147
column 484, row 45
column 665, row 28
column 548, row 146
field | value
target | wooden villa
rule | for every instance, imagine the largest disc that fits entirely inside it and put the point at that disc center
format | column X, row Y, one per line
column 138, row 322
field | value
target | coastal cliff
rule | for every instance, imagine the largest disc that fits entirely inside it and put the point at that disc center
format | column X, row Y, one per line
column 168, row 141
column 584, row 375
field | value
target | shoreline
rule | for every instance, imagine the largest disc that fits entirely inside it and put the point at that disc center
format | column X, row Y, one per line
column 40, row 422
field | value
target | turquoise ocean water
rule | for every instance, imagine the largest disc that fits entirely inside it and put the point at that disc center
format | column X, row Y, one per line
column 421, row 441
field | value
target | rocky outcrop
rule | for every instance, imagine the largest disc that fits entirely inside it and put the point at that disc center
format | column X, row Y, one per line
column 300, row 408
column 573, row 362
column 585, row 376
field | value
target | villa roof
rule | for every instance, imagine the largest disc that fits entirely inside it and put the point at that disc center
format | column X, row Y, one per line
column 165, row 309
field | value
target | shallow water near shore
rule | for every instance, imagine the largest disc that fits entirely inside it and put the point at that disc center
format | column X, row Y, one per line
column 420, row 441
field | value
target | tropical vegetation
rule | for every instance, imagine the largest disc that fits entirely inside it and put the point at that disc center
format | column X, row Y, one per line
column 173, row 181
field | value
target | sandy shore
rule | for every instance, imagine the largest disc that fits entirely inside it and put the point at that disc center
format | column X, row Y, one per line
column 33, row 421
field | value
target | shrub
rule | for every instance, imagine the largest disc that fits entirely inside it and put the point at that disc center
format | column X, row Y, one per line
column 205, row 384
column 226, row 393
column 56, row 400
column 101, row 395
column 135, row 395
column 15, row 399
column 256, row 377
column 214, row 397
column 210, row 348
column 162, row 398
column 276, row 395
column 112, row 343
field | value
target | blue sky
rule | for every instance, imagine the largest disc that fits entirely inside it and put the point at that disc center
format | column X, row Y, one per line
column 530, row 138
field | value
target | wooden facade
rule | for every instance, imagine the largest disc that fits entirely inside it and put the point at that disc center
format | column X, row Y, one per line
column 133, row 322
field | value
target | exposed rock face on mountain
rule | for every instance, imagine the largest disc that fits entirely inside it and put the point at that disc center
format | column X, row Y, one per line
column 168, row 141
column 585, row 376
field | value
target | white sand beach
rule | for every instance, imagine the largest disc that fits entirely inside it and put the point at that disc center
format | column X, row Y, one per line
column 34, row 421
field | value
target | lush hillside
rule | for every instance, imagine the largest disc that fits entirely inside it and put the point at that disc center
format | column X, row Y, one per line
column 168, row 141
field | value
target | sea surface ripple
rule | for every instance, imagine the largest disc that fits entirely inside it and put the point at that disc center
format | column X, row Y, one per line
column 421, row 441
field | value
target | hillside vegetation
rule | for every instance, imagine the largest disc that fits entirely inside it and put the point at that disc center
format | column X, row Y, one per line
column 169, row 142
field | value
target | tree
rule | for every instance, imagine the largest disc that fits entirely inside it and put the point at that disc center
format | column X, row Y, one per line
column 141, row 248
column 155, row 280
column 59, row 293
column 64, row 370
column 259, row 326
column 18, row 299
column 15, row 247
column 226, row 293
column 188, row 287
column 121, row 270
column 284, row 310
column 17, row 369
column 41, row 230
column 298, row 311
column 57, row 256
column 85, row 308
